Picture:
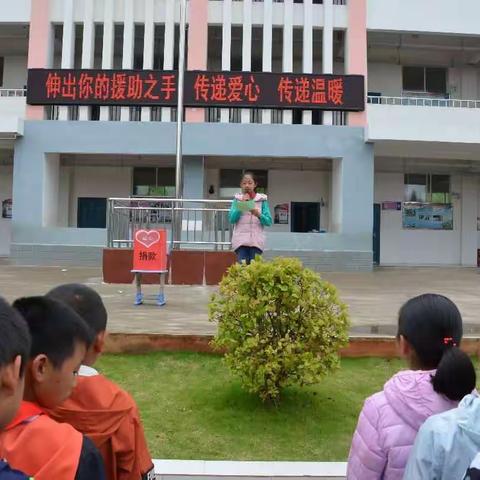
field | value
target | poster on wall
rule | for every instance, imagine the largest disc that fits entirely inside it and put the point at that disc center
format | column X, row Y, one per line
column 7, row 208
column 281, row 214
column 392, row 206
column 427, row 216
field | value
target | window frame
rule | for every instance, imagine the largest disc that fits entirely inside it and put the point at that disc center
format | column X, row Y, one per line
column 429, row 193
column 424, row 90
column 156, row 186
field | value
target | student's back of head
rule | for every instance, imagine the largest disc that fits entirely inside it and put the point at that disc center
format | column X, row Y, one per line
column 431, row 325
column 14, row 354
column 99, row 408
column 60, row 339
column 440, row 374
column 89, row 305
column 85, row 301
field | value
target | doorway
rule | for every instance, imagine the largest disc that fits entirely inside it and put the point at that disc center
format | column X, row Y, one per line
column 92, row 212
column 377, row 210
column 305, row 217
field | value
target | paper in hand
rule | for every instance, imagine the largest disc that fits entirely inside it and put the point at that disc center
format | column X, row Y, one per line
column 246, row 206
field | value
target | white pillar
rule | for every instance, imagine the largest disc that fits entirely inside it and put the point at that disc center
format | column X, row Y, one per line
column 288, row 48
column 246, row 48
column 51, row 186
column 336, row 204
column 468, row 226
column 107, row 49
column 87, row 47
column 148, row 44
column 168, row 49
column 128, row 40
column 267, row 49
column 307, row 55
column 226, row 48
column 327, row 53
column 68, row 46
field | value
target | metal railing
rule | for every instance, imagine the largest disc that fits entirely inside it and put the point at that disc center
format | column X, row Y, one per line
column 13, row 92
column 255, row 115
column 114, row 113
column 423, row 102
column 235, row 115
column 339, row 118
column 73, row 112
column 52, row 112
column 212, row 115
column 189, row 223
column 135, row 114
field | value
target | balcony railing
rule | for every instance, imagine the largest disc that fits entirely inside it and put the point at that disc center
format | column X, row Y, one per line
column 423, row 102
column 13, row 92
column 335, row 2
column 213, row 115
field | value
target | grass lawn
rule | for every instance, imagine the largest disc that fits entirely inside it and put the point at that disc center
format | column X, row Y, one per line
column 193, row 409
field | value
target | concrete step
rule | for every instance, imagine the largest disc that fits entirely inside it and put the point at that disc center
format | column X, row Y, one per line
column 230, row 470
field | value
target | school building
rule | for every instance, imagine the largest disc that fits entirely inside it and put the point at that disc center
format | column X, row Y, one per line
column 394, row 182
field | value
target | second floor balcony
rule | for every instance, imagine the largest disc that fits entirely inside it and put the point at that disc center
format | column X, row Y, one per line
column 424, row 120
column 12, row 112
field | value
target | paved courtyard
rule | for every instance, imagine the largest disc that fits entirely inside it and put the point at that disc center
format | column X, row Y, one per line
column 374, row 298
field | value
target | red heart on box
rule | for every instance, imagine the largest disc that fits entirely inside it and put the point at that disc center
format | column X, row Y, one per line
column 147, row 237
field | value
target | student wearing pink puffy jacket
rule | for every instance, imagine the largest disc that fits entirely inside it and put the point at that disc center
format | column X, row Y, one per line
column 248, row 239
column 440, row 375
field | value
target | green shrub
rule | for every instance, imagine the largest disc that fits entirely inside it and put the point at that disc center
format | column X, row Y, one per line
column 279, row 323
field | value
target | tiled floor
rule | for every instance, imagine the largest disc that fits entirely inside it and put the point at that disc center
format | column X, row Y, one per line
column 374, row 298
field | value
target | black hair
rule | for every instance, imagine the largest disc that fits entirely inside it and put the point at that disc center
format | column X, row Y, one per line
column 249, row 173
column 432, row 325
column 55, row 328
column 14, row 338
column 85, row 301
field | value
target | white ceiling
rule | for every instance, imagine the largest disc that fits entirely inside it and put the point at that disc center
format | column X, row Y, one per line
column 416, row 49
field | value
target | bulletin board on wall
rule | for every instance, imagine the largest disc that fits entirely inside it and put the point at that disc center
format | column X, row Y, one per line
column 427, row 216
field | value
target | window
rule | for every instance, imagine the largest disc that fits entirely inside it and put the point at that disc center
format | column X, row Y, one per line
column 427, row 188
column 158, row 46
column 415, row 188
column 57, row 45
column 425, row 79
column 236, row 49
column 139, row 39
column 153, row 181
column 118, row 46
column 257, row 49
column 78, row 46
column 298, row 49
column 91, row 212
column 2, row 63
column 98, row 46
column 230, row 181
column 277, row 49
column 214, row 48
column 440, row 189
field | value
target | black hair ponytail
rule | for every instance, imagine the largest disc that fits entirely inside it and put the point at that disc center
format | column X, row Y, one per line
column 432, row 325
column 455, row 376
